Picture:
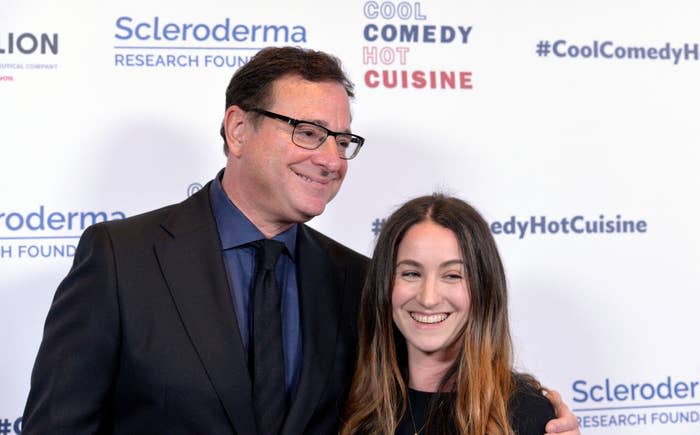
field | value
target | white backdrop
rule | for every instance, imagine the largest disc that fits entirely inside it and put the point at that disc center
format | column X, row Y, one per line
column 568, row 111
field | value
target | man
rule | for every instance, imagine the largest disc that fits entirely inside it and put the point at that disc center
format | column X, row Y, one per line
column 154, row 328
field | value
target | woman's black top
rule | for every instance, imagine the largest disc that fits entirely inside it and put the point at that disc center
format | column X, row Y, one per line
column 529, row 412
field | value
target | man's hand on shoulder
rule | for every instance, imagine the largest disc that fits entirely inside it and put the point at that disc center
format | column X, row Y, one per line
column 566, row 422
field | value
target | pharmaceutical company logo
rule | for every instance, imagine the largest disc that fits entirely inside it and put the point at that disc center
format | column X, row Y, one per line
column 158, row 42
column 609, row 403
column 22, row 51
column 397, row 33
column 43, row 233
column 548, row 226
column 611, row 51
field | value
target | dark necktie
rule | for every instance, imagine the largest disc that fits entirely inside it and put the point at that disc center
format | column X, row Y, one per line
column 269, row 397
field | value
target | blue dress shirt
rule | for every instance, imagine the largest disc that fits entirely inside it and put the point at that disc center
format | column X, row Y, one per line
column 236, row 232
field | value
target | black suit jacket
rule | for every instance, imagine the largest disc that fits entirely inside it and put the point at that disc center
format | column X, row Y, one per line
column 142, row 336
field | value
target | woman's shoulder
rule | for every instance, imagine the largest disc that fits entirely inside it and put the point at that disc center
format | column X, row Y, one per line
column 530, row 410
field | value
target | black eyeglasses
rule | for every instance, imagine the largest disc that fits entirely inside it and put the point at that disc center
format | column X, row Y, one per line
column 311, row 136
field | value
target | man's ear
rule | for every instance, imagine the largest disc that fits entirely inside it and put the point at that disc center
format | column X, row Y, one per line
column 236, row 124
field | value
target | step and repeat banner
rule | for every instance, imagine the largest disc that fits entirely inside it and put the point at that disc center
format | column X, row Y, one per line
column 572, row 126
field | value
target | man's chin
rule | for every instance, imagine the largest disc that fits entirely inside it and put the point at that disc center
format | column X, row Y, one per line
column 307, row 215
column 308, row 207
column 304, row 213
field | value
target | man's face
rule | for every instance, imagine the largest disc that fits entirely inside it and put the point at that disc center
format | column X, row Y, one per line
column 276, row 182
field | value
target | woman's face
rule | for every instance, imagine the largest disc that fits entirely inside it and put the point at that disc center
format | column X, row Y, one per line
column 430, row 298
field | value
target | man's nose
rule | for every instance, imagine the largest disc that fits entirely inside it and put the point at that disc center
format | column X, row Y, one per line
column 328, row 155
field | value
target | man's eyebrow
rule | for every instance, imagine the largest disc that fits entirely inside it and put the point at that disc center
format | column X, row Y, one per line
column 324, row 124
column 318, row 121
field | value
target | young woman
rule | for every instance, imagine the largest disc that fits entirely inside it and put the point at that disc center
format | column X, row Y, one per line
column 435, row 348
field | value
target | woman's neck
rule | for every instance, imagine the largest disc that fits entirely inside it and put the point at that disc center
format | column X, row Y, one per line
column 425, row 371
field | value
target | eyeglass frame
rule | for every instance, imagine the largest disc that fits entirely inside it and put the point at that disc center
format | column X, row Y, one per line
column 294, row 122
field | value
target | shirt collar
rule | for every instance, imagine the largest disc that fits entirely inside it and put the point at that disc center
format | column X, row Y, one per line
column 234, row 228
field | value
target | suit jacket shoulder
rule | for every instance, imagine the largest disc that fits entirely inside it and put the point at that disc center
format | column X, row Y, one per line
column 340, row 254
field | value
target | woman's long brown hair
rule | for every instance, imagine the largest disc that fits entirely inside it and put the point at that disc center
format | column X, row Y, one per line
column 480, row 377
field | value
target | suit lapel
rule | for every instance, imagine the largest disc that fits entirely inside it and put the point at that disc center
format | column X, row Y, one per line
column 319, row 297
column 192, row 264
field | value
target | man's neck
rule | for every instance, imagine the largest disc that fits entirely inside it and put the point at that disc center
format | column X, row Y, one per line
column 268, row 229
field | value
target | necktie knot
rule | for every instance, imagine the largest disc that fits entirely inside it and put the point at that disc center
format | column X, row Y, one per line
column 268, row 253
